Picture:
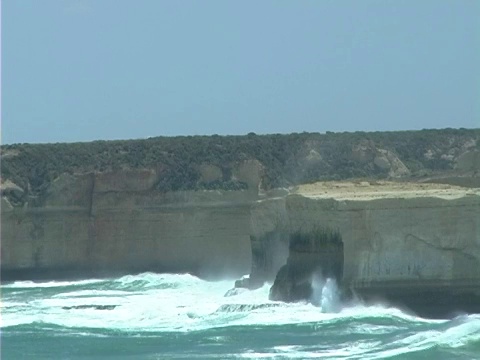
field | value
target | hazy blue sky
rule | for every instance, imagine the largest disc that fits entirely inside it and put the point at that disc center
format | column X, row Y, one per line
column 112, row 69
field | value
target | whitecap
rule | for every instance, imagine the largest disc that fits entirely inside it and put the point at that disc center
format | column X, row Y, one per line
column 49, row 284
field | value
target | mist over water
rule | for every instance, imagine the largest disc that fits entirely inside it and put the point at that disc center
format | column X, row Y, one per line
column 326, row 294
column 165, row 316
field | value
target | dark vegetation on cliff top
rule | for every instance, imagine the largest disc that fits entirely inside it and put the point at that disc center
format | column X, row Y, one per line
column 286, row 159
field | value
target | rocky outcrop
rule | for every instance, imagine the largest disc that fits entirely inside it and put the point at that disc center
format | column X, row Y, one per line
column 388, row 161
column 318, row 253
column 11, row 193
column 365, row 152
column 413, row 244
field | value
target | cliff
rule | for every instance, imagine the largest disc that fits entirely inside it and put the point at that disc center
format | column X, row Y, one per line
column 417, row 245
column 106, row 223
column 227, row 206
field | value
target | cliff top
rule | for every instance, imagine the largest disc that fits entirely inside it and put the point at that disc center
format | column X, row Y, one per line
column 364, row 190
column 249, row 162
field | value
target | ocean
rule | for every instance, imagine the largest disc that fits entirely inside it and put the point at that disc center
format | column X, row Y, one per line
column 168, row 316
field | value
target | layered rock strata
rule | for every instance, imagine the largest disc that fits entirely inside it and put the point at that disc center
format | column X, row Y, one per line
column 413, row 244
column 104, row 224
column 417, row 244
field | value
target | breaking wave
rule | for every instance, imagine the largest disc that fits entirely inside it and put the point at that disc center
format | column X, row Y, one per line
column 149, row 305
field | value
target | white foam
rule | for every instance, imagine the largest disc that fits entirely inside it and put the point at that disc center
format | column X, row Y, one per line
column 48, row 284
column 350, row 351
column 456, row 335
column 91, row 293
column 162, row 302
column 330, row 297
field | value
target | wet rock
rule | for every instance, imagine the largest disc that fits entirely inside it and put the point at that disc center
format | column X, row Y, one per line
column 318, row 252
column 235, row 291
column 291, row 285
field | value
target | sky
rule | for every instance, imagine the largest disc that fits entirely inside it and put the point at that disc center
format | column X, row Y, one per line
column 82, row 70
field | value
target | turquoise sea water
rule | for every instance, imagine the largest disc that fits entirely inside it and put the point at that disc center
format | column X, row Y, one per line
column 160, row 316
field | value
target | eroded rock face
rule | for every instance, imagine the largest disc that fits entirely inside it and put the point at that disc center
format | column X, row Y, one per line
column 386, row 160
column 401, row 241
column 102, row 224
column 412, row 245
column 292, row 284
column 12, row 191
column 310, row 255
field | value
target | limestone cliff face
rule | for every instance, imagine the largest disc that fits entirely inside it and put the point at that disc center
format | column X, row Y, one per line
column 403, row 243
column 99, row 208
column 418, row 237
column 399, row 239
column 105, row 223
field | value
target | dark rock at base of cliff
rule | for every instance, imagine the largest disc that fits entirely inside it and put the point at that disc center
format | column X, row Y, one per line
column 318, row 252
column 245, row 283
column 235, row 291
column 438, row 300
column 269, row 253
column 290, row 286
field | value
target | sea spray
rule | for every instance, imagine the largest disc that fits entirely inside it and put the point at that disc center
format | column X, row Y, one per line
column 330, row 297
column 317, row 288
column 325, row 294
column 181, row 316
